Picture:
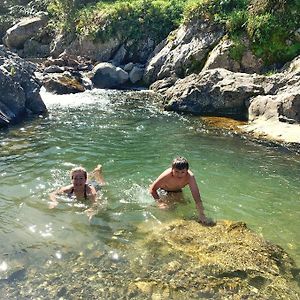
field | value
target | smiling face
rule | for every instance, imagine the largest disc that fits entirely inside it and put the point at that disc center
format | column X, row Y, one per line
column 78, row 178
column 179, row 173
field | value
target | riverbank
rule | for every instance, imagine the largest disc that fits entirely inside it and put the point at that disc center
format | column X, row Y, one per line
column 285, row 136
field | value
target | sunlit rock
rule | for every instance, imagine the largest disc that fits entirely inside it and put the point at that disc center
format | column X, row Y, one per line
column 214, row 262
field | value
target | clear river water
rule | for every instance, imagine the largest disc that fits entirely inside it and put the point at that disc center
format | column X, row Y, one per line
column 135, row 141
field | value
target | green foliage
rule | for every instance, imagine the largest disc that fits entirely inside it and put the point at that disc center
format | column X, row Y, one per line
column 130, row 20
column 268, row 24
column 270, row 27
column 216, row 10
column 238, row 48
column 63, row 13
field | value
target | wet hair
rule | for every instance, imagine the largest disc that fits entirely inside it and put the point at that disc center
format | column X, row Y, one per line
column 180, row 163
column 78, row 169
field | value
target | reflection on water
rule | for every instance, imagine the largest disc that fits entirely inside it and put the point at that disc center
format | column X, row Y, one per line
column 134, row 141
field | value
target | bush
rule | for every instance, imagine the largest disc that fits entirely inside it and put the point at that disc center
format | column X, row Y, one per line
column 130, row 20
column 268, row 24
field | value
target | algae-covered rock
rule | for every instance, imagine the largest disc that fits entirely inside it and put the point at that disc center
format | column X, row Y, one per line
column 182, row 260
column 216, row 262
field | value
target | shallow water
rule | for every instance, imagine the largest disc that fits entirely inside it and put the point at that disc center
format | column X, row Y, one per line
column 134, row 141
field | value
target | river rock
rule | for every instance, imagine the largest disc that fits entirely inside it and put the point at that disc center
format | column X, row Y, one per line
column 19, row 89
column 106, row 75
column 176, row 260
column 226, row 261
column 65, row 83
column 136, row 74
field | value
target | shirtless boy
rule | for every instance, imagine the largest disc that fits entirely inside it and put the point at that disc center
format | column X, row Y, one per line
column 79, row 188
column 173, row 180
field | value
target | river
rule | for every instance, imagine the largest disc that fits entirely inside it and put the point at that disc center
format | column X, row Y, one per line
column 135, row 141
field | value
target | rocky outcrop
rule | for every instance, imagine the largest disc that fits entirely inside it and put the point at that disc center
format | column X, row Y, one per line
column 83, row 46
column 270, row 103
column 19, row 89
column 276, row 116
column 216, row 92
column 221, row 57
column 21, row 32
column 184, row 51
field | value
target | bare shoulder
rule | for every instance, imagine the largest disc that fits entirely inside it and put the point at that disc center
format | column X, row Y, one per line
column 165, row 174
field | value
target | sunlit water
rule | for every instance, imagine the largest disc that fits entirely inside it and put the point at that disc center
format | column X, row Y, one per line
column 135, row 141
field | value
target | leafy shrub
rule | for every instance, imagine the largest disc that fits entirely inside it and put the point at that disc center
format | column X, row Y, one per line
column 269, row 25
column 130, row 20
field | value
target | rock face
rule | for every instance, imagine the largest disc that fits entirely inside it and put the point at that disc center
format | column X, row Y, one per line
column 276, row 115
column 183, row 52
column 215, row 92
column 85, row 47
column 27, row 28
column 19, row 89
column 220, row 57
column 270, row 103
column 227, row 261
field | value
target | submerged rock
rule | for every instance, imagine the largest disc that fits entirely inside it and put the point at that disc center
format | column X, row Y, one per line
column 216, row 262
column 178, row 260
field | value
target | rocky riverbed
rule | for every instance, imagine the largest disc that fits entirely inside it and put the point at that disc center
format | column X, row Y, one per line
column 178, row 260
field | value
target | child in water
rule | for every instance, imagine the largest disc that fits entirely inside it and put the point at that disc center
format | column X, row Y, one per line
column 168, row 186
column 79, row 188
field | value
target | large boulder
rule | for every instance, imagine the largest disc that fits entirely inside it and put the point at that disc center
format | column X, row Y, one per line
column 84, row 46
column 184, row 51
column 27, row 28
column 106, row 75
column 19, row 89
column 276, row 116
column 216, row 92
column 66, row 83
column 177, row 260
column 221, row 57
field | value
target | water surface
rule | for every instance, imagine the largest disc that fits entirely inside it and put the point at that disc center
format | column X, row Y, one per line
column 135, row 141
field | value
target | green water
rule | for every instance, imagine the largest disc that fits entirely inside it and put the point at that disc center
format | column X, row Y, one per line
column 134, row 141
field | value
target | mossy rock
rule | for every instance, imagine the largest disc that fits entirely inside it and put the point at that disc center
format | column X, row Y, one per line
column 220, row 261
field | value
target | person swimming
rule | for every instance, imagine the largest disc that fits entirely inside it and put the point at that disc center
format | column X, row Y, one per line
column 80, row 188
column 172, row 181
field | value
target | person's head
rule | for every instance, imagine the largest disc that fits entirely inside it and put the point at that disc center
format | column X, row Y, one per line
column 78, row 176
column 180, row 167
